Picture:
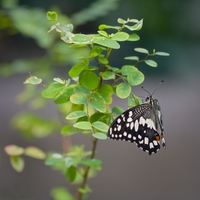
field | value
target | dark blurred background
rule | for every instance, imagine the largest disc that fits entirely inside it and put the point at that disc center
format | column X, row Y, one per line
column 128, row 173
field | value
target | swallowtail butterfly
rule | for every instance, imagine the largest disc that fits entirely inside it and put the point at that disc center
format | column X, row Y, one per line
column 141, row 125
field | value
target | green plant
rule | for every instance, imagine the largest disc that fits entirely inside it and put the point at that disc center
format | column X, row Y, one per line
column 85, row 98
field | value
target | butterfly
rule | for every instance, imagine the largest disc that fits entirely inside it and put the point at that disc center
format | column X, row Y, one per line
column 141, row 125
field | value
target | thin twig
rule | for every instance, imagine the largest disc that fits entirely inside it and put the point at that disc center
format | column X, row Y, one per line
column 86, row 171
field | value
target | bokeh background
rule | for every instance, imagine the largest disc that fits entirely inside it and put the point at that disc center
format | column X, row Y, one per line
column 128, row 173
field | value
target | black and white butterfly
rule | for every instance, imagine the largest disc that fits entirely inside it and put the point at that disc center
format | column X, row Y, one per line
column 141, row 125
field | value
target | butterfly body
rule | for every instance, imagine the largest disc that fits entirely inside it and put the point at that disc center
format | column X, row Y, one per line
column 141, row 125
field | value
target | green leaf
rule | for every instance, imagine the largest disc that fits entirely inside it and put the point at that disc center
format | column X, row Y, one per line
column 66, row 82
column 67, row 29
column 121, row 21
column 93, row 163
column 98, row 105
column 133, row 101
column 17, row 163
column 106, row 92
column 131, row 58
column 52, row 16
column 104, row 26
column 14, row 150
column 106, row 42
column 98, row 97
column 117, row 110
column 107, row 75
column 76, row 70
column 142, row 50
column 79, row 98
column 35, row 152
column 83, row 125
column 134, row 37
column 100, row 136
column 65, row 96
column 135, row 27
column 99, row 117
column 33, row 80
column 103, row 60
column 123, row 90
column 76, row 115
column 162, row 53
column 53, row 159
column 81, row 89
column 127, row 69
column 100, row 126
column 89, row 79
column 71, row 173
column 60, row 193
column 103, row 33
column 82, row 39
column 151, row 63
column 69, row 130
column 53, row 90
column 120, row 36
column 135, row 78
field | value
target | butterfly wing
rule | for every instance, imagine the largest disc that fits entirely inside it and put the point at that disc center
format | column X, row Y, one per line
column 138, row 125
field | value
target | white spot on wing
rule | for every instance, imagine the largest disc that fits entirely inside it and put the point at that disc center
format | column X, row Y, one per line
column 118, row 120
column 130, row 113
column 132, row 124
column 134, row 138
column 119, row 127
column 146, row 140
column 155, row 142
column 129, row 119
column 125, row 133
column 142, row 121
column 129, row 135
column 151, row 146
column 136, row 125
column 140, row 137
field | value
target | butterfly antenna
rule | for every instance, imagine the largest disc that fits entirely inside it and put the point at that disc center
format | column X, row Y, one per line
column 146, row 90
column 157, row 86
column 154, row 90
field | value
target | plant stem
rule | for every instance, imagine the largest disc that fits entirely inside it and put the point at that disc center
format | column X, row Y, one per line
column 86, row 171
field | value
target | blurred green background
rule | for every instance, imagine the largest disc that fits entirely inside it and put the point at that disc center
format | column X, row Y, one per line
column 128, row 173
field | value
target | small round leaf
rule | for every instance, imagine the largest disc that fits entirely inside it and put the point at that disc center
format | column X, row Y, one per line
column 107, row 75
column 17, row 163
column 123, row 90
column 76, row 115
column 89, row 79
column 35, row 152
column 98, row 105
column 14, row 150
column 100, row 136
column 83, row 125
column 100, row 126
column 71, row 173
column 142, row 50
column 162, row 54
column 135, row 78
column 79, row 98
column 151, row 63
column 120, row 36
column 33, row 80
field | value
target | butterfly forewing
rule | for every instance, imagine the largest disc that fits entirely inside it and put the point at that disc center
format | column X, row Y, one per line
column 142, row 125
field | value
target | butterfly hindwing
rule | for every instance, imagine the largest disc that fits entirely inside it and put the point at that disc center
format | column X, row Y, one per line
column 141, row 125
